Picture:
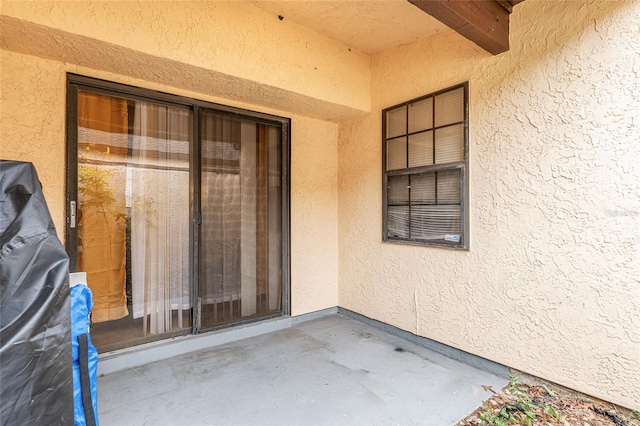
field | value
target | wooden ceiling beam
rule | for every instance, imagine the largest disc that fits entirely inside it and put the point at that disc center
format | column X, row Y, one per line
column 484, row 22
column 508, row 6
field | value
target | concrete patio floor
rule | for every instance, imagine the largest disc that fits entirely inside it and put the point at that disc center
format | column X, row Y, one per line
column 329, row 371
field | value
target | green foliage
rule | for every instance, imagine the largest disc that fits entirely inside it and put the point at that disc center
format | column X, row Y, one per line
column 514, row 388
column 98, row 197
column 549, row 391
column 92, row 184
column 522, row 410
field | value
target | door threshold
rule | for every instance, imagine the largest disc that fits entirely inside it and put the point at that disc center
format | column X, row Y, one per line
column 135, row 356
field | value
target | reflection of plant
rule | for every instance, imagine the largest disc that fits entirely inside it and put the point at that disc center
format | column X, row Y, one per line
column 98, row 196
column 94, row 187
column 92, row 184
column 145, row 206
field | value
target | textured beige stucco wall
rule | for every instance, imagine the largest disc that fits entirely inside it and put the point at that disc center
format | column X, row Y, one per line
column 32, row 128
column 32, row 123
column 220, row 48
column 314, row 196
column 227, row 52
column 551, row 285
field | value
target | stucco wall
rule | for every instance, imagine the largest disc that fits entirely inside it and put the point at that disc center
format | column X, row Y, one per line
column 551, row 285
column 230, row 49
column 228, row 52
column 314, row 212
column 32, row 123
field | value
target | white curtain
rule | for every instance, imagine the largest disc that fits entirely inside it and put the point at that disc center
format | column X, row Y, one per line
column 158, row 198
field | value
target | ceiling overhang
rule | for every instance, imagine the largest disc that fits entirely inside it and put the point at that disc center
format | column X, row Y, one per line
column 369, row 26
column 484, row 22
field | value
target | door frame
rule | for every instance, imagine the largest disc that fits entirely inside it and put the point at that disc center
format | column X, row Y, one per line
column 76, row 83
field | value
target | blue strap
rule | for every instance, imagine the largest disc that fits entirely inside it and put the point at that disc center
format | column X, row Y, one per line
column 85, row 383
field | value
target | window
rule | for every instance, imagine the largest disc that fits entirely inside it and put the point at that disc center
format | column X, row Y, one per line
column 425, row 170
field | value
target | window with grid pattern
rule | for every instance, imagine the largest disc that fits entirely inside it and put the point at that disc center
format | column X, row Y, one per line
column 425, row 156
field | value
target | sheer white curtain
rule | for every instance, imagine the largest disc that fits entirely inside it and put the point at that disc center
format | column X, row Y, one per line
column 158, row 198
column 241, row 220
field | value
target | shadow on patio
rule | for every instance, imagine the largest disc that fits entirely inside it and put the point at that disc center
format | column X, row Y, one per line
column 332, row 370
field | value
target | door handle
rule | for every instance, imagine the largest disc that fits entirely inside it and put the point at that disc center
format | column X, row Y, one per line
column 72, row 214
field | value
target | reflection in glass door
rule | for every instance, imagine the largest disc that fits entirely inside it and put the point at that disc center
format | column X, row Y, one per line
column 177, row 211
column 133, row 217
column 241, row 236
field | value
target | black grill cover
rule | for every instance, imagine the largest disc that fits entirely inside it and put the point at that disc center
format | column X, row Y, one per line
column 35, row 330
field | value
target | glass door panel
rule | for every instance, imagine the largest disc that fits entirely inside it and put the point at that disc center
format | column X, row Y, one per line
column 133, row 217
column 241, row 237
column 152, row 194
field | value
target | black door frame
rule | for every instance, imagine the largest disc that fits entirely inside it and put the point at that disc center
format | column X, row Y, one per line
column 77, row 82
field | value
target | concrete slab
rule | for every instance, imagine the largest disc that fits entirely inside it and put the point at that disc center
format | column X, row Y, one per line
column 329, row 371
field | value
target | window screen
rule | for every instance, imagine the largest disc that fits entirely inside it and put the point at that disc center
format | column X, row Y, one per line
column 425, row 170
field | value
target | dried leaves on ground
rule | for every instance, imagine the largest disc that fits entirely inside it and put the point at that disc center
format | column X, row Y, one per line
column 536, row 404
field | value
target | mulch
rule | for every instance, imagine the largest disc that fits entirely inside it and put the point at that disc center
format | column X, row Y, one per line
column 539, row 404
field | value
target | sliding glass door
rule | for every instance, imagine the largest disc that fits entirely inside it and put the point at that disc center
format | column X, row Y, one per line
column 240, row 274
column 178, row 212
column 133, row 216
